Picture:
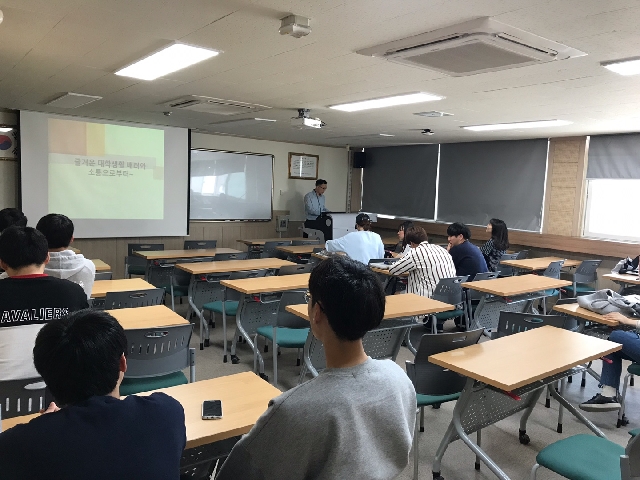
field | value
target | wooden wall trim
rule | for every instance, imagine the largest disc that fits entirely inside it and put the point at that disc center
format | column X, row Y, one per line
column 598, row 248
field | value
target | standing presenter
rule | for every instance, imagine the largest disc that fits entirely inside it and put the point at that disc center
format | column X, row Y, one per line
column 314, row 203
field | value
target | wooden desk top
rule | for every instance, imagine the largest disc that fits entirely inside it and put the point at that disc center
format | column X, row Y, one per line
column 518, row 285
column 520, row 359
column 195, row 253
column 541, row 263
column 261, row 241
column 576, row 311
column 269, row 284
column 101, row 287
column 396, row 306
column 299, row 249
column 244, row 396
column 101, row 266
column 226, row 266
column 623, row 278
column 385, row 271
column 147, row 317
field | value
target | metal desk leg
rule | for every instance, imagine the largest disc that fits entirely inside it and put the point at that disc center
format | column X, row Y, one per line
column 522, row 432
column 407, row 340
column 199, row 315
column 224, row 325
column 576, row 413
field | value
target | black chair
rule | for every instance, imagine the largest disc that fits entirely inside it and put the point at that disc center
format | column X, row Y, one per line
column 270, row 249
column 449, row 290
column 506, row 271
column 103, row 276
column 311, row 241
column 133, row 298
column 514, row 322
column 474, row 296
column 221, row 257
column 21, row 397
column 295, row 269
column 522, row 254
column 134, row 265
column 199, row 244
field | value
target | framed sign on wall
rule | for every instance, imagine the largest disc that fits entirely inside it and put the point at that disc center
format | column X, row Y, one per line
column 303, row 165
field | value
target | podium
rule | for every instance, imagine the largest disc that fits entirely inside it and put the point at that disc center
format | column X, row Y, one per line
column 323, row 223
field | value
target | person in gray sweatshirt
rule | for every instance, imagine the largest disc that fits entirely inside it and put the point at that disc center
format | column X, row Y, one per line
column 353, row 421
column 65, row 263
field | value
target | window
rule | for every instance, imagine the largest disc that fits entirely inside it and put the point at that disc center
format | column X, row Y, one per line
column 612, row 209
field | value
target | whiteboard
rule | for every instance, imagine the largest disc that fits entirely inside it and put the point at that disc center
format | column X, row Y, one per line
column 230, row 185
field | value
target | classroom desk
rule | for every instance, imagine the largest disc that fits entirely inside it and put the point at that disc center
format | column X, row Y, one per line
column 521, row 365
column 255, row 246
column 537, row 264
column 258, row 303
column 177, row 254
column 299, row 251
column 511, row 294
column 624, row 279
column 101, row 287
column 574, row 310
column 101, row 266
column 75, row 250
column 203, row 268
column 155, row 316
column 399, row 315
column 244, row 398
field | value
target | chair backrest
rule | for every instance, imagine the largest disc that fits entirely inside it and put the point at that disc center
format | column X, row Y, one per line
column 476, row 295
column 103, row 276
column 505, row 270
column 270, row 248
column 157, row 351
column 160, row 274
column 221, row 257
column 199, row 244
column 206, row 288
column 182, row 277
column 234, row 294
column 286, row 319
column 21, row 397
column 522, row 254
column 311, row 241
column 318, row 249
column 553, row 270
column 132, row 259
column 449, row 290
column 514, row 322
column 630, row 461
column 587, row 271
column 295, row 269
column 133, row 298
column 431, row 379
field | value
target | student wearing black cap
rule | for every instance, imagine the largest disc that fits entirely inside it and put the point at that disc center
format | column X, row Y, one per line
column 361, row 245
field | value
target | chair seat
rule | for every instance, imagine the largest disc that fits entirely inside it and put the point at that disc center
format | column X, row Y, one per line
column 136, row 269
column 286, row 337
column 552, row 292
column 448, row 315
column 230, row 307
column 580, row 287
column 634, row 369
column 427, row 400
column 130, row 386
column 583, row 457
column 180, row 290
column 634, row 432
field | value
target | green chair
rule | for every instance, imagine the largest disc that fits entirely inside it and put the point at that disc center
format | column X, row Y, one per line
column 436, row 385
column 587, row 457
column 449, row 290
column 286, row 331
column 585, row 278
column 134, row 265
column 156, row 358
column 633, row 369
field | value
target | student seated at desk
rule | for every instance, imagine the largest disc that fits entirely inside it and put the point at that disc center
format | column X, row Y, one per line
column 28, row 299
column 354, row 420
column 497, row 245
column 425, row 262
column 91, row 433
column 361, row 245
column 606, row 400
column 63, row 262
column 11, row 216
column 467, row 258
column 402, row 247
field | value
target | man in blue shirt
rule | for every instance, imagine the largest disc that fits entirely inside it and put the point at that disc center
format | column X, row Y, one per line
column 314, row 202
column 467, row 258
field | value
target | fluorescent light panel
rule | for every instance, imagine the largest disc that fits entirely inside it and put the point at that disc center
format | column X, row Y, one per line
column 387, row 102
column 170, row 59
column 386, row 135
column 630, row 66
column 5, row 129
column 517, row 125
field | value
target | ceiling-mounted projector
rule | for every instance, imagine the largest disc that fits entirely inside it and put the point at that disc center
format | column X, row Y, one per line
column 295, row 25
column 303, row 120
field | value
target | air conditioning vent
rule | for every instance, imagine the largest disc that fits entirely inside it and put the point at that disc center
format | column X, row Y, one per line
column 477, row 46
column 215, row 106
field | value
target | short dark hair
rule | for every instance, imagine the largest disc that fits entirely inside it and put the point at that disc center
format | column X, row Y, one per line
column 499, row 233
column 12, row 216
column 415, row 235
column 404, row 226
column 78, row 356
column 458, row 228
column 350, row 294
column 22, row 246
column 320, row 181
column 58, row 229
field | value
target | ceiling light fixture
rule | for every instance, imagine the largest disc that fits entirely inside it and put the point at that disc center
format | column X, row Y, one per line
column 628, row 66
column 5, row 129
column 387, row 102
column 168, row 60
column 517, row 125
column 386, row 135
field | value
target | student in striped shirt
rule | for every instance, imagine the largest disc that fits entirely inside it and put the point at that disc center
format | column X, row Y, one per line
column 426, row 263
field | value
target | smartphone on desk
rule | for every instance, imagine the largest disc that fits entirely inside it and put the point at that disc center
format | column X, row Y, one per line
column 211, row 410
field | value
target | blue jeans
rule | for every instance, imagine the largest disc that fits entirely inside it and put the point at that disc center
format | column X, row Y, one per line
column 630, row 341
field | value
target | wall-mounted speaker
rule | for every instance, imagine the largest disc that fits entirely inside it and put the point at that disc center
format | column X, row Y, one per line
column 359, row 159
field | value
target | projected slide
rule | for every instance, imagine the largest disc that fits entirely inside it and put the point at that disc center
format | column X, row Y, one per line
column 103, row 171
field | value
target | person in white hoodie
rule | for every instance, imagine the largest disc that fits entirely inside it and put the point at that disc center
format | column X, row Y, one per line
column 361, row 245
column 65, row 263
